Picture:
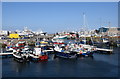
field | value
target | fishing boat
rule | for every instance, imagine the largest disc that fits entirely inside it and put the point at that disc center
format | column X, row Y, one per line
column 20, row 55
column 48, row 49
column 38, row 55
column 82, row 49
column 58, row 41
column 84, row 52
column 47, row 46
column 61, row 52
column 60, row 37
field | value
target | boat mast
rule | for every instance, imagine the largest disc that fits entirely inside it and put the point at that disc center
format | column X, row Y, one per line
column 84, row 25
column 109, row 23
column 101, row 31
column 1, row 15
column 1, row 49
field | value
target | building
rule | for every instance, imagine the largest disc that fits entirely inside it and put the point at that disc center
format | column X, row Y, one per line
column 25, row 33
column 3, row 32
column 111, row 31
column 103, row 29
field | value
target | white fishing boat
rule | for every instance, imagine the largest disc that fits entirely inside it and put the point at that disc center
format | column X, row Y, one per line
column 20, row 55
column 82, row 49
column 60, row 37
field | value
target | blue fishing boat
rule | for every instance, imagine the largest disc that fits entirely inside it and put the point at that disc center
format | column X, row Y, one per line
column 66, row 54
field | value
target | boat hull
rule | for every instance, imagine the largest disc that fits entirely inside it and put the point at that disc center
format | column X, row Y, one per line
column 65, row 55
column 20, row 58
column 85, row 54
column 38, row 58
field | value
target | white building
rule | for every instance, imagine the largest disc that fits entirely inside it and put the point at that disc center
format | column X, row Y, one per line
column 3, row 32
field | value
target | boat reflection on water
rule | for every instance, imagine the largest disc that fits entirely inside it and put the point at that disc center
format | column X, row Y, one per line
column 19, row 67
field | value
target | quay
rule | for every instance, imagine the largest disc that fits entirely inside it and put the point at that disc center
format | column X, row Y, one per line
column 102, row 49
column 5, row 54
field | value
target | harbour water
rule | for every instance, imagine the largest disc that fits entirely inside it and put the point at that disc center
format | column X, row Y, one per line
column 100, row 65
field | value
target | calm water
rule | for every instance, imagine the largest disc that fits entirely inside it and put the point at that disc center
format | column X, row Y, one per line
column 101, row 65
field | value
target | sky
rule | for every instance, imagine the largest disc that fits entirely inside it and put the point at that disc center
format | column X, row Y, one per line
column 58, row 16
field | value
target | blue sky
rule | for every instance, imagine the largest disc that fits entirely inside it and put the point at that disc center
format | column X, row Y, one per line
column 58, row 16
